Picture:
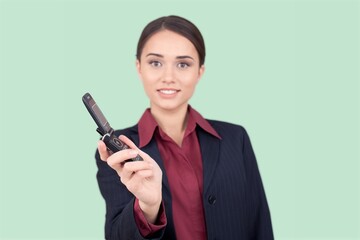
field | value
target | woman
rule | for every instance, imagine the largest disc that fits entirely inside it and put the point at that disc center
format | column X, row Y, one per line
column 199, row 178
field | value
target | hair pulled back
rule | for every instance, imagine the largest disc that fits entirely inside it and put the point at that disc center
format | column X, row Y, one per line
column 175, row 24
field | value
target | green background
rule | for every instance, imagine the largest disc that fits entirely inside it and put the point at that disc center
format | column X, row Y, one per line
column 288, row 71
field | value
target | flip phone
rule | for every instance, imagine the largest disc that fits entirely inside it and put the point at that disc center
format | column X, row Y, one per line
column 112, row 142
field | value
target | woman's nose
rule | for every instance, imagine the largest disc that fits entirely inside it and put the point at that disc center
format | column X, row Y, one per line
column 168, row 74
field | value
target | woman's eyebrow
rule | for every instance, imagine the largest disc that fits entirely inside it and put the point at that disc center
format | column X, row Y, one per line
column 155, row 54
column 185, row 56
column 161, row 56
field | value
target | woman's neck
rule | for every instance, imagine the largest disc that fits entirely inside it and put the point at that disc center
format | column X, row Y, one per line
column 173, row 123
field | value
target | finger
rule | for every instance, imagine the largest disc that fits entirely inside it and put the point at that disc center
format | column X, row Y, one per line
column 117, row 160
column 128, row 142
column 130, row 169
column 136, row 180
column 137, row 166
column 104, row 154
column 144, row 174
column 132, row 145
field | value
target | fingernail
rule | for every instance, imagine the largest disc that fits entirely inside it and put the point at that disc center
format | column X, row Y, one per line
column 133, row 152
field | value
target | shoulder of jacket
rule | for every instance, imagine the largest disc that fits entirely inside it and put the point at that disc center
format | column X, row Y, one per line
column 222, row 126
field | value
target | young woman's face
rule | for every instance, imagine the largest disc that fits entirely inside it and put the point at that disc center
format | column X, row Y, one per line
column 169, row 70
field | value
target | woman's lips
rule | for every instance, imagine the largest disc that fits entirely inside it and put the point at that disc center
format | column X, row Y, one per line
column 167, row 92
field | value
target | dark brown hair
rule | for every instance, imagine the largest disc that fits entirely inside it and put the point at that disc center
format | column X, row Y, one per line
column 175, row 24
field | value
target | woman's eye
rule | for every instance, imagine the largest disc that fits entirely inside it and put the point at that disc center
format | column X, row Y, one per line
column 155, row 64
column 183, row 65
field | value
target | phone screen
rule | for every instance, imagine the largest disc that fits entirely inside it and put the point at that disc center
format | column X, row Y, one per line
column 96, row 113
column 100, row 116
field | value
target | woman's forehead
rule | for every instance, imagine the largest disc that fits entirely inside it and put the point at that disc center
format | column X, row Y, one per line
column 169, row 43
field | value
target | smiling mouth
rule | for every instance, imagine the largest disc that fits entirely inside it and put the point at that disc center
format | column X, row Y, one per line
column 168, row 91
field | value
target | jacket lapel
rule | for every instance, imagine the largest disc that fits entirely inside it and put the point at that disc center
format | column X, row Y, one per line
column 210, row 148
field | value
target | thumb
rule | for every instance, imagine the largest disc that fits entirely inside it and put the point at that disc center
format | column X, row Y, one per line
column 132, row 145
column 128, row 142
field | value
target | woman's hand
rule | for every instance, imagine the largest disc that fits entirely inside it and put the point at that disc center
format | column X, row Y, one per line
column 142, row 178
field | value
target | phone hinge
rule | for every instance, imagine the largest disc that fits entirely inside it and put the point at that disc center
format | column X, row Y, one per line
column 101, row 133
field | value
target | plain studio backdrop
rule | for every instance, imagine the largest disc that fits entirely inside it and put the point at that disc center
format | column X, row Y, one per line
column 288, row 71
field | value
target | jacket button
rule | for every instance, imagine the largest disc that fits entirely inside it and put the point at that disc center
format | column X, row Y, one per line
column 212, row 199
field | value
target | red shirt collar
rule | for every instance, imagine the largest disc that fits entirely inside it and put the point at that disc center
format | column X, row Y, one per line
column 147, row 125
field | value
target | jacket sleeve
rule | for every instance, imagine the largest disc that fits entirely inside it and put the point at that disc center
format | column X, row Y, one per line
column 260, row 221
column 120, row 221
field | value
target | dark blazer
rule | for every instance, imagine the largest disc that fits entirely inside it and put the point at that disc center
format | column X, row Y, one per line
column 234, row 199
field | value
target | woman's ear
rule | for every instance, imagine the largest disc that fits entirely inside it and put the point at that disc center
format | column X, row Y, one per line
column 138, row 68
column 201, row 71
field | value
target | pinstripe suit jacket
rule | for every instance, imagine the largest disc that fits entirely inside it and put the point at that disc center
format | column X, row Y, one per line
column 234, row 199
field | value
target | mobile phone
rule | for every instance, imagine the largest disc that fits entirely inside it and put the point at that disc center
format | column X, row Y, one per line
column 112, row 142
